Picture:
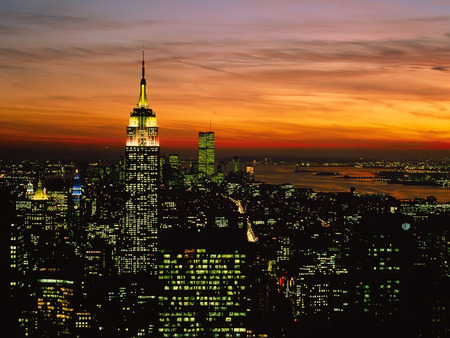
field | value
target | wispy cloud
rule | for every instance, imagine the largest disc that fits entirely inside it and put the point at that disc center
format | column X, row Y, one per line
column 440, row 68
column 52, row 21
column 300, row 73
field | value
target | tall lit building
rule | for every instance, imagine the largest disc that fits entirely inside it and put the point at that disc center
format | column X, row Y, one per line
column 138, row 247
column 174, row 161
column 236, row 164
column 55, row 307
column 39, row 250
column 387, row 268
column 74, row 215
column 202, row 278
column 206, row 156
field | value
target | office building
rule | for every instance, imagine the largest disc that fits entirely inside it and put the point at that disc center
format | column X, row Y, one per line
column 203, row 283
column 138, row 247
column 386, row 261
column 174, row 161
column 236, row 164
column 38, row 250
column 55, row 307
column 206, row 156
column 74, row 216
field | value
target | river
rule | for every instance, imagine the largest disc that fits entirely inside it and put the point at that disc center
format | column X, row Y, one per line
column 283, row 173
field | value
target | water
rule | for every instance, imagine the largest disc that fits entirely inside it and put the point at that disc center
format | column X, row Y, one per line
column 279, row 174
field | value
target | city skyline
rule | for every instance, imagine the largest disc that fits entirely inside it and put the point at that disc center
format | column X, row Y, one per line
column 145, row 246
column 301, row 77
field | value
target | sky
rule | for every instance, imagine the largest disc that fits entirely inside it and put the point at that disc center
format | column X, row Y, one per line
column 278, row 77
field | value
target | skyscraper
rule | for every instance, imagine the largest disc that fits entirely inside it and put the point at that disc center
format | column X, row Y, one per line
column 206, row 156
column 142, row 176
column 39, row 259
column 203, row 291
column 74, row 215
column 236, row 164
column 174, row 161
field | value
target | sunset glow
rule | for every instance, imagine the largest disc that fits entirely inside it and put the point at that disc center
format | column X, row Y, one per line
column 280, row 75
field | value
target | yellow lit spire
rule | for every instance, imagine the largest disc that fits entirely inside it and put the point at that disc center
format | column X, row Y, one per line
column 143, row 90
column 40, row 193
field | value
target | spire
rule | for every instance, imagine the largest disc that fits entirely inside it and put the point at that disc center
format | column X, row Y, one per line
column 143, row 64
column 76, row 189
column 143, row 90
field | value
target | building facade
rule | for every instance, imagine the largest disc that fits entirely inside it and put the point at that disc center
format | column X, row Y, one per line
column 142, row 175
column 203, row 288
column 206, row 156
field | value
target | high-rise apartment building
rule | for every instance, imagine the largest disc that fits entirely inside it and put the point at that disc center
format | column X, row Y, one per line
column 206, row 155
column 142, row 175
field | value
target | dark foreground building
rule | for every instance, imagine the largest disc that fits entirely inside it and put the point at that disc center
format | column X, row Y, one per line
column 202, row 275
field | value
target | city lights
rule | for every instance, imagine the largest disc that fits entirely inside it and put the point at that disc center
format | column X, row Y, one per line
column 156, row 245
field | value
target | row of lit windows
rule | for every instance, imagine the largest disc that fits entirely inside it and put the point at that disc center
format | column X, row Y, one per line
column 193, row 283
column 192, row 319
column 212, row 255
column 201, row 266
column 385, row 249
column 212, row 258
column 223, row 303
column 204, row 298
column 199, row 272
column 229, row 303
column 199, row 287
column 176, row 314
column 237, row 272
column 193, row 277
column 386, row 268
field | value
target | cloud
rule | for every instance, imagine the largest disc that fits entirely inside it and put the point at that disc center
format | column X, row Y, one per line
column 56, row 21
column 443, row 69
column 431, row 18
column 325, row 77
column 445, row 115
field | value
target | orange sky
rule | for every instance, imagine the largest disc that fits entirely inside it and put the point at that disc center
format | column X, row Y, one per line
column 288, row 76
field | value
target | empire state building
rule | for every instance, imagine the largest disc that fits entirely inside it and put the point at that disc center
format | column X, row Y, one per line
column 138, row 245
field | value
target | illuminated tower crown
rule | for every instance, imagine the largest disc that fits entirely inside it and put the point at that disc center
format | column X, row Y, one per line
column 40, row 193
column 138, row 245
column 76, row 189
column 30, row 190
column 142, row 127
